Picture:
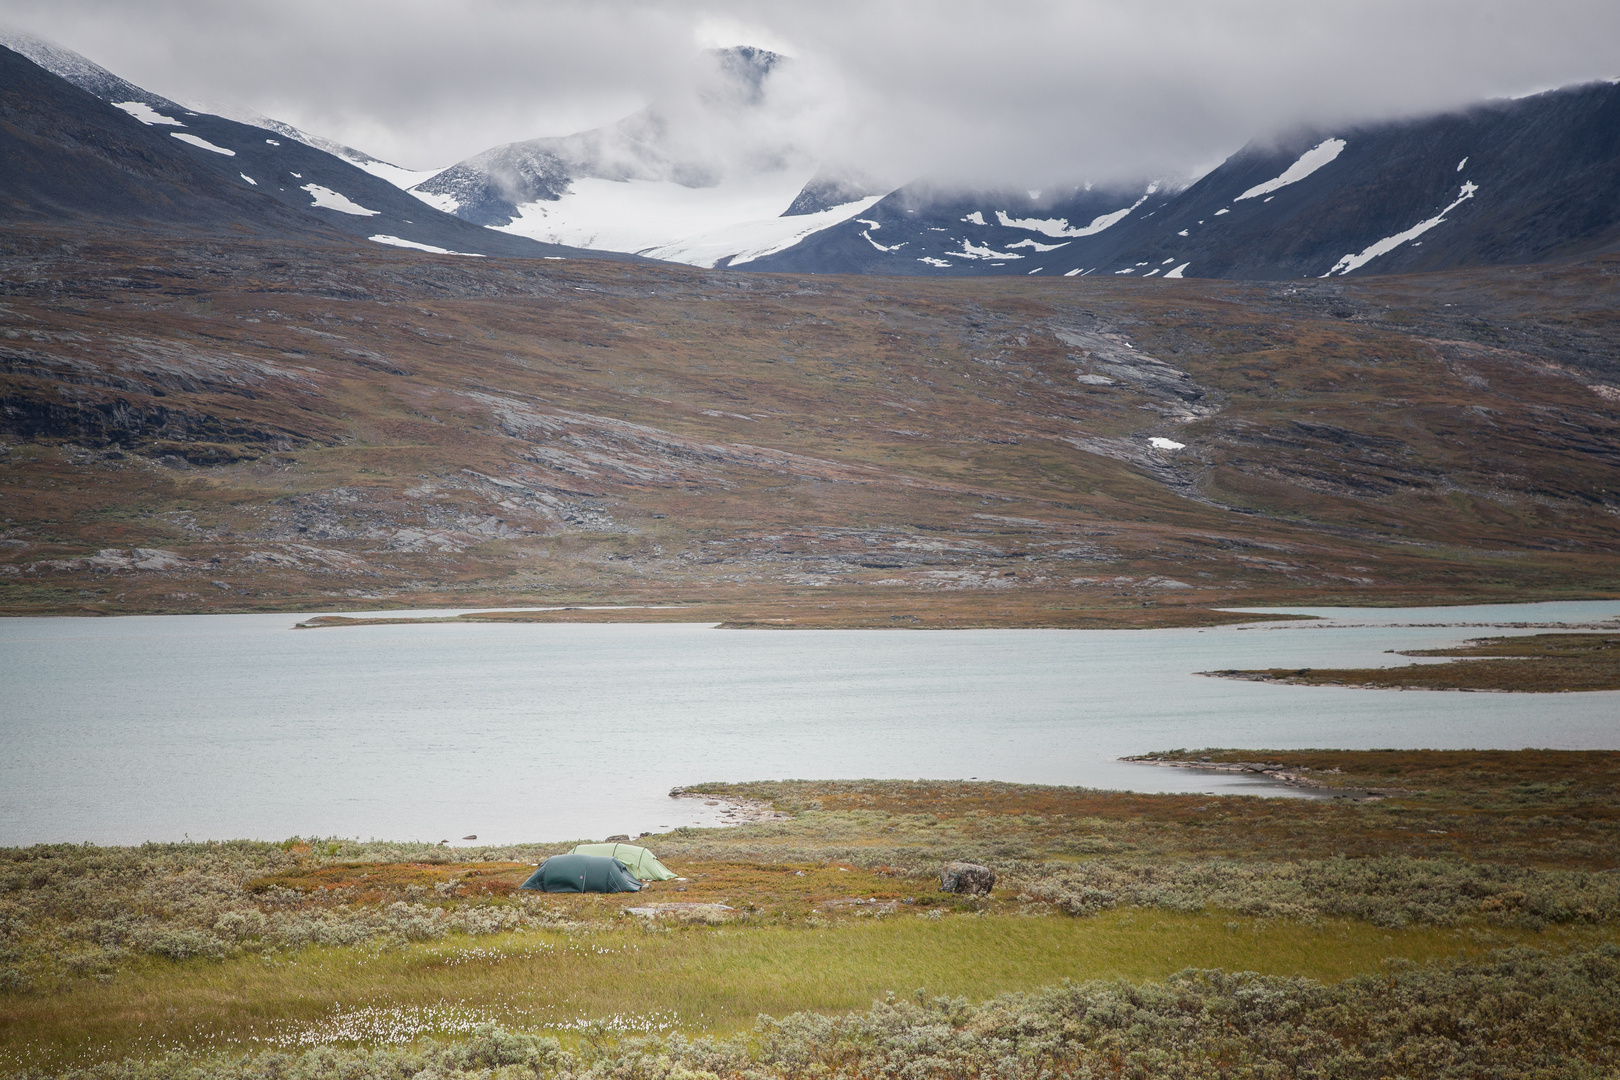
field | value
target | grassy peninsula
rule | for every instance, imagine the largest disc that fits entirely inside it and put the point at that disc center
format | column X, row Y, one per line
column 1539, row 663
column 1426, row 914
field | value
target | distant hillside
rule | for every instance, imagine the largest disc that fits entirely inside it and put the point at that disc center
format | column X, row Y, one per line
column 65, row 154
column 712, row 176
column 100, row 148
column 242, row 422
column 1505, row 182
column 708, row 177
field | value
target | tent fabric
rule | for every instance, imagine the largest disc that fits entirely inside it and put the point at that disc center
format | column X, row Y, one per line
column 642, row 863
column 582, row 874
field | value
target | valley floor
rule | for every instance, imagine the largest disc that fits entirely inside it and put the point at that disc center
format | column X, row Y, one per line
column 1456, row 916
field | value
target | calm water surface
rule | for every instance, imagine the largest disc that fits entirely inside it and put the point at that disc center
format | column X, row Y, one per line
column 221, row 726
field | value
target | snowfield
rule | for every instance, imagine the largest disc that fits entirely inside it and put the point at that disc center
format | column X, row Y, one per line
column 871, row 227
column 395, row 241
column 970, row 250
column 147, row 115
column 643, row 215
column 1038, row 246
column 1311, row 160
column 200, row 143
column 447, row 204
column 1390, row 243
column 393, row 174
column 1060, row 226
column 384, row 170
column 749, row 240
column 328, row 199
column 738, row 219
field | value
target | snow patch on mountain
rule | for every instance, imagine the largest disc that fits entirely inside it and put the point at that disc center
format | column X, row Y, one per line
column 86, row 75
column 404, row 179
column 147, row 115
column 1026, row 242
column 448, row 204
column 872, row 227
column 1061, row 227
column 970, row 250
column 200, row 143
column 328, row 199
column 642, row 216
column 383, row 170
column 153, row 109
column 745, row 241
column 1311, row 160
column 1175, row 273
column 395, row 241
column 1390, row 243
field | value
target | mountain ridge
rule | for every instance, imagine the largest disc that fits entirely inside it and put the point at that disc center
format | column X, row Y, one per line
column 1513, row 181
column 85, row 152
column 1520, row 180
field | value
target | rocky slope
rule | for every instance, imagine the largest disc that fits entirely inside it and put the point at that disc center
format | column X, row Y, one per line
column 253, row 424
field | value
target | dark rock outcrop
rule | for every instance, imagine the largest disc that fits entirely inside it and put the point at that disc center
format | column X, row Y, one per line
column 966, row 877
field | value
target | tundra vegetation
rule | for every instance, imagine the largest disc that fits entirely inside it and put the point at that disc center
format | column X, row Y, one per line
column 1425, row 914
column 252, row 424
column 1538, row 663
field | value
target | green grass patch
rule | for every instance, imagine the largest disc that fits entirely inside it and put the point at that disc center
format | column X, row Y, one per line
column 692, row 980
column 379, row 960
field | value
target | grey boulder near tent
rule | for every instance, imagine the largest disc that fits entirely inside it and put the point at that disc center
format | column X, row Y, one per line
column 582, row 874
column 642, row 863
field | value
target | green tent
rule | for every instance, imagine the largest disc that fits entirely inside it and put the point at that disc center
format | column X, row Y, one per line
column 582, row 873
column 642, row 863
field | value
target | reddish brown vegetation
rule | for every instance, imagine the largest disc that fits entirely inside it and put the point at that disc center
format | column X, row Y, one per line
column 241, row 427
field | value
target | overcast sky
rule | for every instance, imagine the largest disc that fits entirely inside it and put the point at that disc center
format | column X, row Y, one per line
column 984, row 92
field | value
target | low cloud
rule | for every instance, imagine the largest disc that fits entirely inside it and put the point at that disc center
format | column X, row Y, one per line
column 970, row 92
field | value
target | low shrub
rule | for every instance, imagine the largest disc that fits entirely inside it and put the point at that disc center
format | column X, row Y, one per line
column 1518, row 1013
column 1390, row 892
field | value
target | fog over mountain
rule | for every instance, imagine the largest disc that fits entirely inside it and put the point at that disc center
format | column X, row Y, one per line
column 963, row 92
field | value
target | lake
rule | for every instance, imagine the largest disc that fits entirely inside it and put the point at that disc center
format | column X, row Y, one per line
column 120, row 730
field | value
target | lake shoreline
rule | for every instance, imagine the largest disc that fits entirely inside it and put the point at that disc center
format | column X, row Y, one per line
column 504, row 729
column 1287, row 776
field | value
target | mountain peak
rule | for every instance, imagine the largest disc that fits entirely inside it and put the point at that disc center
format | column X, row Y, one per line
column 745, row 67
column 82, row 72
